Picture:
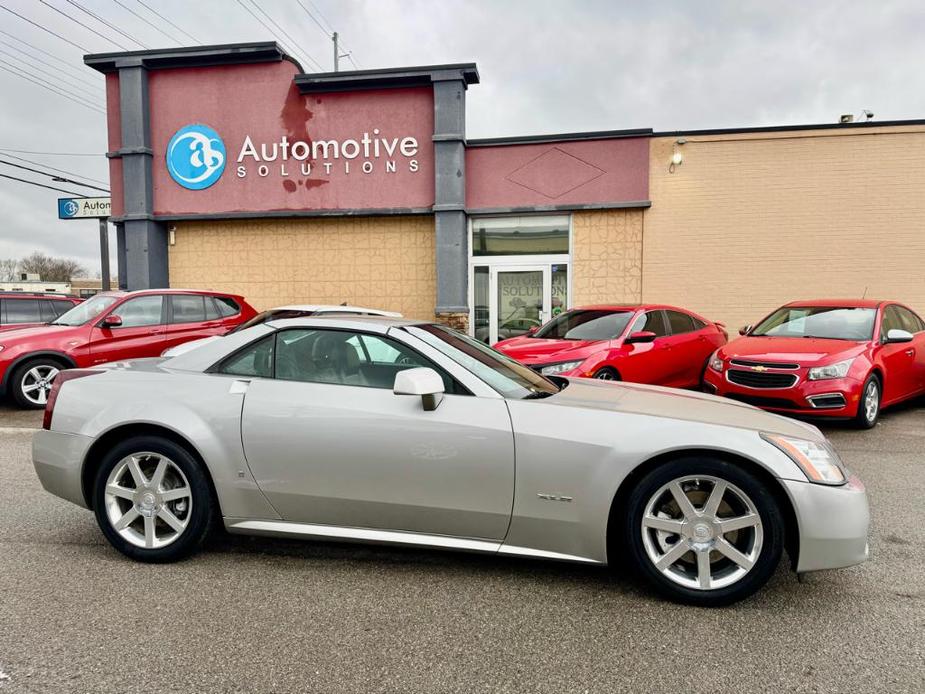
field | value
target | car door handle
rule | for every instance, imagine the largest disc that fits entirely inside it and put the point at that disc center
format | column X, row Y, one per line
column 910, row 352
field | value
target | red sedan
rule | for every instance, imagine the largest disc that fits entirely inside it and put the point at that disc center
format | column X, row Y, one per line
column 833, row 358
column 109, row 327
column 661, row 345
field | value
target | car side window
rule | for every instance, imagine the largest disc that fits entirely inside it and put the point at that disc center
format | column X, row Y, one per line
column 651, row 321
column 891, row 321
column 226, row 306
column 347, row 358
column 140, row 311
column 910, row 322
column 23, row 311
column 679, row 322
column 212, row 312
column 254, row 360
column 187, row 308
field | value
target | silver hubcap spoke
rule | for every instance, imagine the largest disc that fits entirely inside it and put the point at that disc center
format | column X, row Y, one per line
column 702, row 532
column 871, row 401
column 37, row 382
column 148, row 500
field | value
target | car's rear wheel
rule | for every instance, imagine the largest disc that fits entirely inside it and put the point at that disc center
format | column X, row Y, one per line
column 703, row 531
column 869, row 404
column 31, row 381
column 152, row 500
column 607, row 374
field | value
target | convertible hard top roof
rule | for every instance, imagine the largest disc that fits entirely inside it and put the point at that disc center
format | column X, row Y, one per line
column 379, row 324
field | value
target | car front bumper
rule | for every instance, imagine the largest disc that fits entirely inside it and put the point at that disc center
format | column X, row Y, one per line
column 58, row 460
column 833, row 524
column 806, row 398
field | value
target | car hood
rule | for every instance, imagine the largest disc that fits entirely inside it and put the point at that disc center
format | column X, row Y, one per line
column 533, row 350
column 805, row 351
column 185, row 347
column 11, row 336
column 656, row 401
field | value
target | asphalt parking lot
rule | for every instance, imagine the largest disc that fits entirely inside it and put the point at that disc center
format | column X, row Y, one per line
column 277, row 616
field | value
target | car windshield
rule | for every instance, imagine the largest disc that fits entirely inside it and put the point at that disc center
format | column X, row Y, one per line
column 510, row 378
column 87, row 311
column 272, row 314
column 830, row 322
column 596, row 324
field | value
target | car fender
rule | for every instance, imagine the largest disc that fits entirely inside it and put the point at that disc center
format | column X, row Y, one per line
column 197, row 408
column 569, row 469
column 61, row 356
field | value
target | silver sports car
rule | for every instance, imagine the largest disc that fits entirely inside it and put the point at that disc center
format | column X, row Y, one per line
column 405, row 432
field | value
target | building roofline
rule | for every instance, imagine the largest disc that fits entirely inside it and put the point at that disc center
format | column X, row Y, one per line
column 559, row 137
column 190, row 56
column 789, row 128
column 386, row 78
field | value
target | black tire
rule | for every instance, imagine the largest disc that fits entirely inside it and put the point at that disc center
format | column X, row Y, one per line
column 768, row 550
column 607, row 373
column 861, row 418
column 201, row 513
column 19, row 375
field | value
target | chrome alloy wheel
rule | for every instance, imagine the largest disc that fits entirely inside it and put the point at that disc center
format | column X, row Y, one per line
column 148, row 500
column 702, row 532
column 871, row 400
column 36, row 383
column 605, row 375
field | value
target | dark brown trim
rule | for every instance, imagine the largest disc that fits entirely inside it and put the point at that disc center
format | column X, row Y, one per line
column 387, row 78
column 190, row 56
column 559, row 137
column 790, row 128
column 568, row 207
column 281, row 214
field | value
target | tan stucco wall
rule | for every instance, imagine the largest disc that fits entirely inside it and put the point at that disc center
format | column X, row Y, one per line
column 607, row 256
column 750, row 221
column 380, row 262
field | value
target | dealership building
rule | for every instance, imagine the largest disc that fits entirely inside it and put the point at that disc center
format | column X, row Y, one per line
column 232, row 169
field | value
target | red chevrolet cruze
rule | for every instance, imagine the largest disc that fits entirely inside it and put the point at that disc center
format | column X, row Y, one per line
column 833, row 358
column 109, row 327
column 661, row 345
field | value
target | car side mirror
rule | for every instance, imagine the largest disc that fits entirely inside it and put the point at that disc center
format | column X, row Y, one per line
column 640, row 337
column 896, row 335
column 745, row 329
column 111, row 321
column 532, row 329
column 421, row 381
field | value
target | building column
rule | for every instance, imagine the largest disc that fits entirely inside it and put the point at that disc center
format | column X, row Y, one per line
column 144, row 239
column 450, row 200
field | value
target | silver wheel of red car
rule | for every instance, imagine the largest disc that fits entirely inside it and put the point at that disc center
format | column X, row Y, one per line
column 869, row 405
column 607, row 374
column 31, row 382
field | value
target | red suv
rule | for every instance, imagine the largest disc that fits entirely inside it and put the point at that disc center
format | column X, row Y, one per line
column 650, row 343
column 29, row 309
column 109, row 327
column 832, row 358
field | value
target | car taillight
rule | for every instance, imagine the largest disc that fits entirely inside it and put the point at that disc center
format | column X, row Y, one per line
column 60, row 380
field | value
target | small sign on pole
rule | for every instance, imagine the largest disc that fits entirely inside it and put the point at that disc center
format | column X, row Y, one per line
column 91, row 208
column 84, row 208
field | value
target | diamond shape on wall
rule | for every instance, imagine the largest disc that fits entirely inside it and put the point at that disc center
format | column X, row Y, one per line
column 554, row 173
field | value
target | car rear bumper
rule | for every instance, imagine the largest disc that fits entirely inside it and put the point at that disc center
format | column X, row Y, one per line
column 837, row 397
column 58, row 459
column 833, row 524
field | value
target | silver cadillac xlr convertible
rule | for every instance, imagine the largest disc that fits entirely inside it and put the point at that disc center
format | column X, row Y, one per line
column 395, row 431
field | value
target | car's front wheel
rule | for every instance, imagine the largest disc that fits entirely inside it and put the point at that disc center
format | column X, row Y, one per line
column 869, row 405
column 607, row 374
column 152, row 500
column 703, row 531
column 31, row 381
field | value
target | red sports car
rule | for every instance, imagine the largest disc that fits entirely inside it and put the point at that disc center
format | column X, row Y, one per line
column 31, row 309
column 833, row 358
column 649, row 343
column 109, row 327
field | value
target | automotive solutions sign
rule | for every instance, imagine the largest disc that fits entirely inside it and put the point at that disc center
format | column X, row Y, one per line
column 84, row 208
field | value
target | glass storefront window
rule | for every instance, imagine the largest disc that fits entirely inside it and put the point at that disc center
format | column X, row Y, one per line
column 559, row 289
column 480, row 304
column 520, row 236
column 520, row 302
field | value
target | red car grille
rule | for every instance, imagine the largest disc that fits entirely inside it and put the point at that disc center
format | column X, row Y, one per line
column 761, row 379
column 765, row 364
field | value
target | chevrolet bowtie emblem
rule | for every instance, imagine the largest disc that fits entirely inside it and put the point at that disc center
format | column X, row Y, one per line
column 760, row 368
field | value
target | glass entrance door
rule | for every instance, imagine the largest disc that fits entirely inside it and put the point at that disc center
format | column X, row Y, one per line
column 520, row 300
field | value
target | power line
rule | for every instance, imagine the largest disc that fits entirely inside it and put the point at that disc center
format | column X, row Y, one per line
column 80, row 78
column 63, row 62
column 158, row 14
column 53, row 154
column 53, row 168
column 52, row 89
column 329, row 32
column 272, row 33
column 103, row 21
column 53, row 176
column 42, row 185
column 88, row 28
column 146, row 21
column 43, row 76
column 36, row 24
column 287, row 35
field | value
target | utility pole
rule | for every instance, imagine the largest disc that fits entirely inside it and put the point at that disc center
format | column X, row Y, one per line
column 336, row 51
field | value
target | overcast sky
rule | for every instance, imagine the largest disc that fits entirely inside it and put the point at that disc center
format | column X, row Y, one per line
column 546, row 67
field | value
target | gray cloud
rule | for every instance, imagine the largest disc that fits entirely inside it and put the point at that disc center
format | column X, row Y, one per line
column 546, row 67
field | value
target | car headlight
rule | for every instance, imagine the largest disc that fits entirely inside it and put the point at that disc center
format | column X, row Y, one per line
column 715, row 362
column 554, row 369
column 837, row 370
column 819, row 461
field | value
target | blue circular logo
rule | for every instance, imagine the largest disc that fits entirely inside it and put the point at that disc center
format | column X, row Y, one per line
column 196, row 156
column 70, row 208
